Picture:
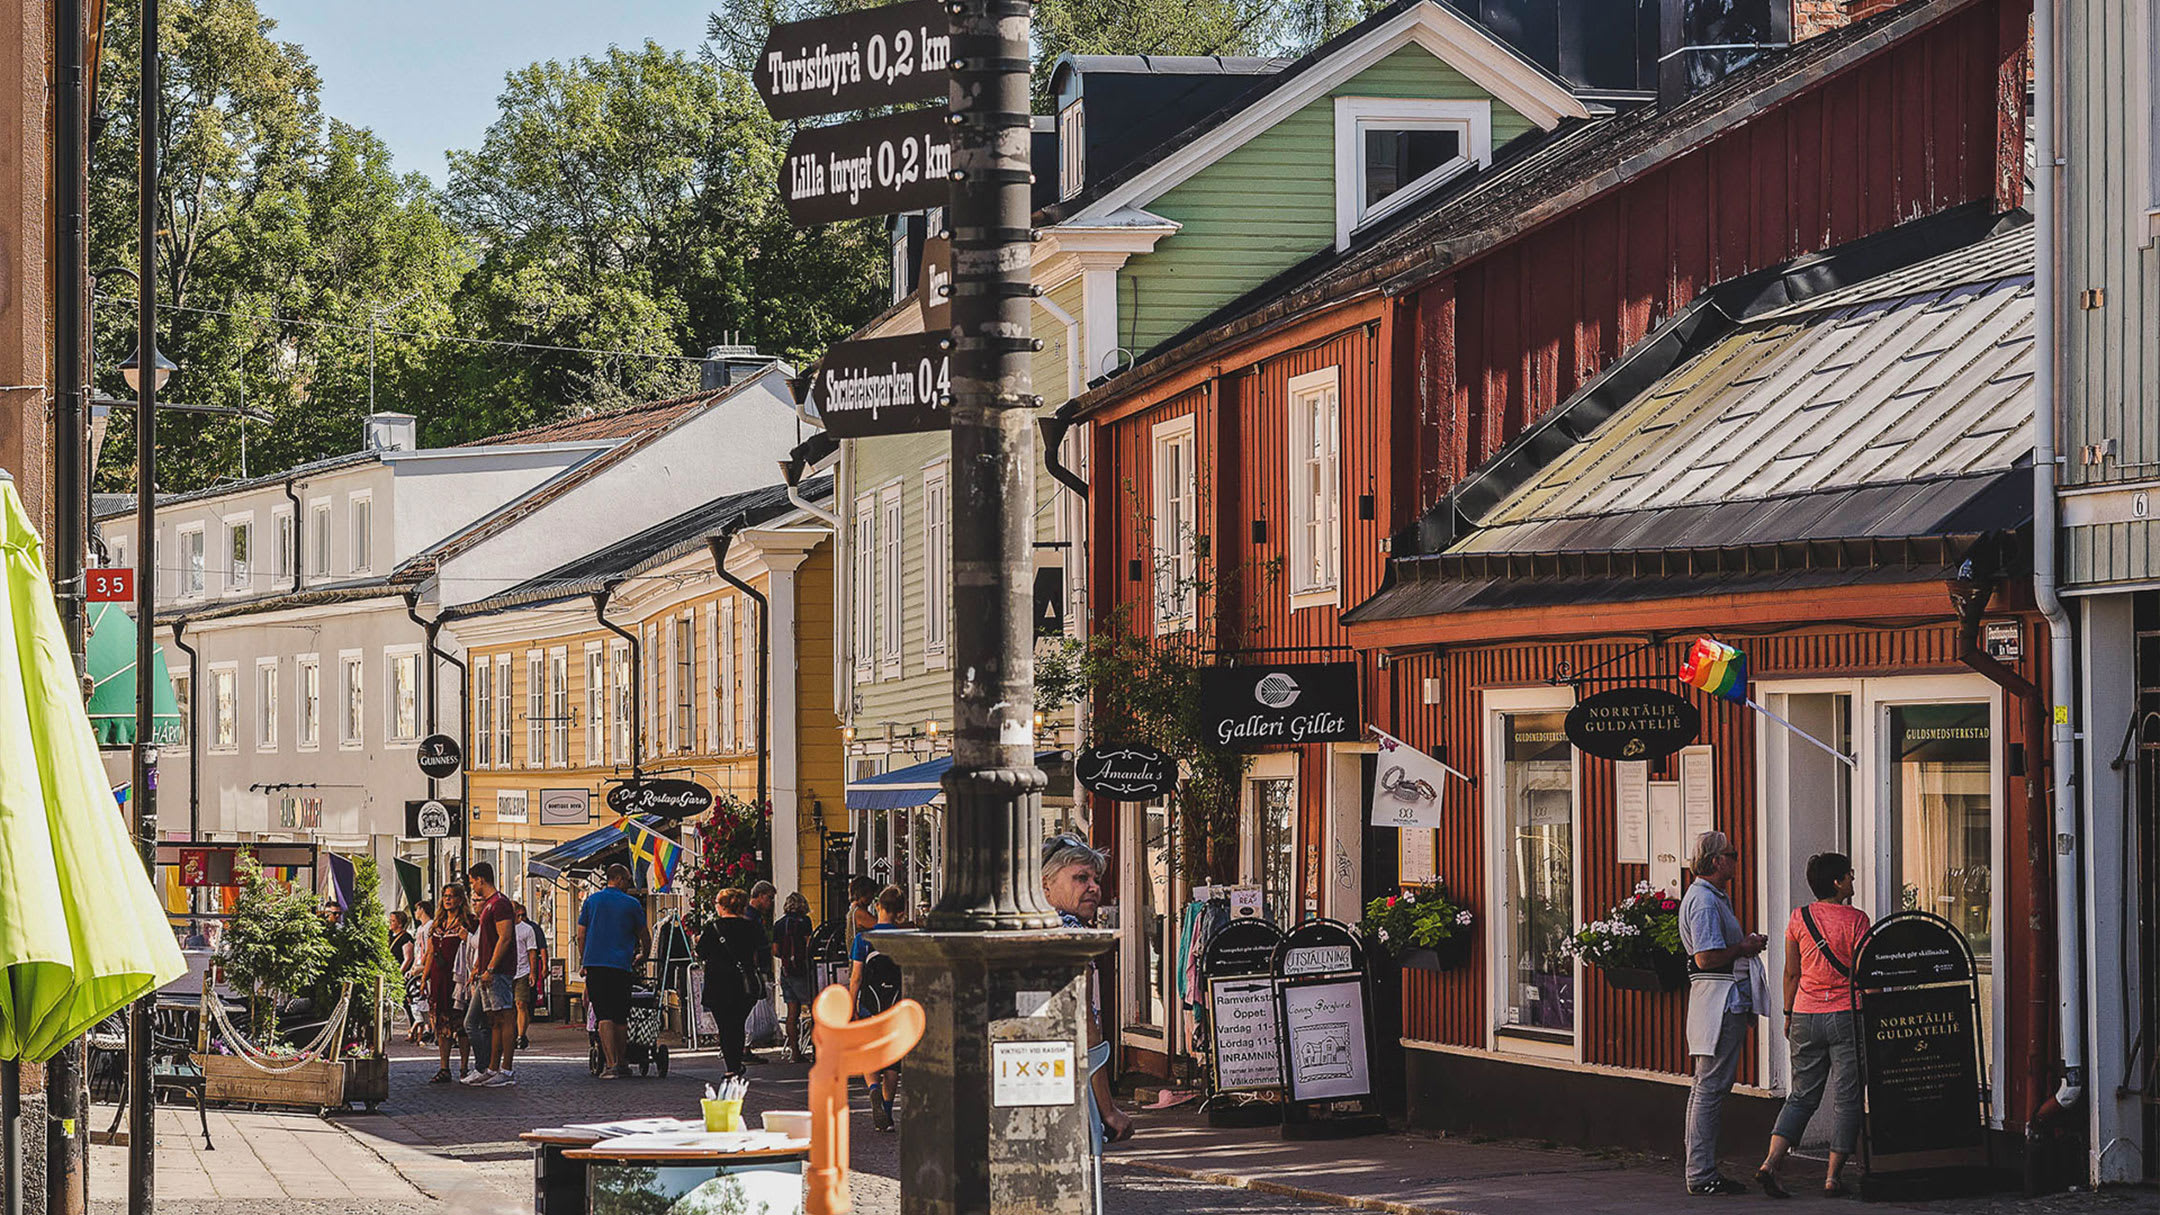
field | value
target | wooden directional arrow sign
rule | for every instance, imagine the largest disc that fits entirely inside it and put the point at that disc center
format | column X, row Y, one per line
column 879, row 166
column 856, row 61
column 883, row 386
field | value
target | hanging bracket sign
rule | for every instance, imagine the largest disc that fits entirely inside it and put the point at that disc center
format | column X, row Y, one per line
column 1250, row 708
column 883, row 386
column 662, row 798
column 877, row 166
column 857, row 60
column 1129, row 772
column 1633, row 723
column 434, row 819
column 440, row 757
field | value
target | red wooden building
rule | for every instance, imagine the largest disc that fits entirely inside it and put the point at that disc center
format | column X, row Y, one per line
column 1400, row 460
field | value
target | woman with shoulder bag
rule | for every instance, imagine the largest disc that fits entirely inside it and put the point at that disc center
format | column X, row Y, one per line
column 733, row 948
column 1821, row 940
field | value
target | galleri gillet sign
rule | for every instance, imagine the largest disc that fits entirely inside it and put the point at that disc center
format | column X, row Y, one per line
column 1251, row 707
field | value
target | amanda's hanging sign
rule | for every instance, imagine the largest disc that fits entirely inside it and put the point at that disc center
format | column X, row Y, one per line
column 1250, row 707
column 1633, row 723
column 1129, row 772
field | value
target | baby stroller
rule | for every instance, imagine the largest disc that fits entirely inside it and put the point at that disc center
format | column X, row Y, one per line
column 645, row 1050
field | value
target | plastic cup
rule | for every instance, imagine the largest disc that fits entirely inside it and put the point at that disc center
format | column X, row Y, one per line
column 722, row 1115
column 795, row 1124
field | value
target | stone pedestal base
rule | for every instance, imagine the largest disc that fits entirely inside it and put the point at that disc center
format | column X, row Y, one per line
column 994, row 1099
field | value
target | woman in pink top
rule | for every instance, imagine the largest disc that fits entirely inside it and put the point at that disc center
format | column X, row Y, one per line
column 1820, row 941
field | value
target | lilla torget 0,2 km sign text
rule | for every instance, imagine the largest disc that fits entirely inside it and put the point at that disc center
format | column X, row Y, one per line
column 879, row 166
column 856, row 61
column 883, row 386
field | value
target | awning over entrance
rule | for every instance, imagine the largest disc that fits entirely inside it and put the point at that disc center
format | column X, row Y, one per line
column 917, row 785
column 110, row 657
column 588, row 853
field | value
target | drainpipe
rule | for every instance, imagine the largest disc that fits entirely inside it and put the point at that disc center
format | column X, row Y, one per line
column 791, row 471
column 720, row 545
column 432, row 630
column 299, row 562
column 2047, row 305
column 637, row 681
column 194, row 766
column 1054, row 429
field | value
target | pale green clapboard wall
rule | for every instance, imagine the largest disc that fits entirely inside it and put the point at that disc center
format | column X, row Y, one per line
column 1269, row 204
column 2111, row 387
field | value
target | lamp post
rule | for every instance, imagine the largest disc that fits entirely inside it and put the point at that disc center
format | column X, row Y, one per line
column 142, row 794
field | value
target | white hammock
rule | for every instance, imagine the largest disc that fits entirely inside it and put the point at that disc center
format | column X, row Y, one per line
column 330, row 1036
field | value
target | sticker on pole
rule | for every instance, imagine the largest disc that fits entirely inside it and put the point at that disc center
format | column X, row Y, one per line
column 1031, row 1073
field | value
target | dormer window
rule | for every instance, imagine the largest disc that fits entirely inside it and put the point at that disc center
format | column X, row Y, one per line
column 1390, row 152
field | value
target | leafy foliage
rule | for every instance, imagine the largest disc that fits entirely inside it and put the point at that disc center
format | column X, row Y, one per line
column 276, row 944
column 1423, row 917
column 360, row 952
column 732, row 847
column 1640, row 930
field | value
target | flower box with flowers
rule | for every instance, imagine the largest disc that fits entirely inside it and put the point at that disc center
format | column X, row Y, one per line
column 1424, row 927
column 1637, row 944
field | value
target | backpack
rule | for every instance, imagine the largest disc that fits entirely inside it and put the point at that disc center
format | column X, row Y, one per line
column 880, row 984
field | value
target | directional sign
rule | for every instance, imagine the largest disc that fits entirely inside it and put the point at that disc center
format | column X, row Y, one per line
column 883, row 386
column 879, row 166
column 856, row 61
column 932, row 297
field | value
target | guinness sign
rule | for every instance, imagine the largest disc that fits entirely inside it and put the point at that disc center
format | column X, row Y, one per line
column 1633, row 723
column 1134, row 772
column 670, row 799
column 1251, row 708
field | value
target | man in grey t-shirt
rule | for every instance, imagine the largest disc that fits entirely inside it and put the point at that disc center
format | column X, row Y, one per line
column 1720, row 1003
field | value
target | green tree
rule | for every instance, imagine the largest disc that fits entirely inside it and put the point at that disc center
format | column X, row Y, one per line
column 274, row 947
column 360, row 953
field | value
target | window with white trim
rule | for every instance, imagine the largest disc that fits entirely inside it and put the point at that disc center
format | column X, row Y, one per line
column 318, row 556
column 224, row 707
column 352, row 691
column 686, row 682
column 401, row 695
column 239, row 552
column 184, row 701
column 1072, row 148
column 619, row 716
column 483, row 713
column 559, row 707
column 266, row 704
column 503, row 701
column 865, row 606
column 650, row 694
column 307, row 695
column 362, row 511
column 730, row 676
column 1176, row 560
column 281, row 559
column 192, row 578
column 596, row 719
column 1315, row 488
column 535, row 710
column 937, row 565
column 715, row 658
column 746, row 672
column 117, row 553
column 1390, row 151
column 892, row 579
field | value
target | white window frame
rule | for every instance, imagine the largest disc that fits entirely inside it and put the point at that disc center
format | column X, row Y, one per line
column 239, row 570
column 267, row 678
column 360, row 528
column 1309, row 392
column 865, row 606
column 307, row 709
column 1175, row 563
column 535, row 708
column 352, row 700
column 716, row 652
column 558, row 702
column 650, row 692
column 392, row 656
column 683, row 707
column 619, row 740
column 746, row 672
column 224, row 708
column 184, row 700
column 284, row 538
column 483, row 711
column 321, row 532
column 505, row 705
column 1499, row 924
column 1354, row 115
column 730, row 675
column 191, row 571
column 596, row 718
column 1072, row 148
column 937, row 564
column 892, row 580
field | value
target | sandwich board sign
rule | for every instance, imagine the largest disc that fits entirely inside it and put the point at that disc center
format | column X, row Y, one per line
column 1326, row 1013
column 1244, row 1028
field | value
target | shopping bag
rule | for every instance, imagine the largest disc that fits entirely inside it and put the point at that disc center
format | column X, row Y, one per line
column 762, row 1027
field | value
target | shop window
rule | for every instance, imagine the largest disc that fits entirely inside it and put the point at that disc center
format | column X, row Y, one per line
column 1274, row 802
column 1537, row 820
column 1154, row 912
column 1942, row 838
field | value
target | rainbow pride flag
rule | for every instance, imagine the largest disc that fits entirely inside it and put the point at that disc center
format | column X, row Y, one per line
column 658, row 854
column 1716, row 668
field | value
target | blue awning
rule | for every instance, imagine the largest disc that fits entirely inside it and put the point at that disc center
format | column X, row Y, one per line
column 585, row 854
column 916, row 785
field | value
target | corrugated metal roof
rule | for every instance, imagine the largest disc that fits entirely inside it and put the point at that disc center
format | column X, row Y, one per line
column 1920, row 376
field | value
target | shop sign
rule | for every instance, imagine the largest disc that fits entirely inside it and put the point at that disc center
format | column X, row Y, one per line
column 565, row 807
column 1324, row 1028
column 1247, row 1043
column 1248, row 708
column 434, row 819
column 1633, row 723
column 439, row 757
column 1128, row 772
column 665, row 798
column 513, row 806
column 1919, row 1037
column 195, row 867
column 1321, row 1001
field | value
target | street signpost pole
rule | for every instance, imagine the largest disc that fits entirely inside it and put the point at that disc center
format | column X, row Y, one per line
column 142, row 795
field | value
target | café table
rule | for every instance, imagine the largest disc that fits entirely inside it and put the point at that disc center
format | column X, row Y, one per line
column 693, row 1173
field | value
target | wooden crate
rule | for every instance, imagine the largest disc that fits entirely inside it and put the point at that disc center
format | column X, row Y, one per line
column 367, row 1081
column 317, row 1084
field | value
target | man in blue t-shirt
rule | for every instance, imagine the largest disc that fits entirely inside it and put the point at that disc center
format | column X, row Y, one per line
column 874, row 985
column 612, row 938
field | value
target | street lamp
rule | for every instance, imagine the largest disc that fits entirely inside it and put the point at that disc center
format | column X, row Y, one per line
column 131, row 368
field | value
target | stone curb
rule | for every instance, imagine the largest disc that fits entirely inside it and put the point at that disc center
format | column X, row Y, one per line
column 1261, row 1185
column 431, row 1174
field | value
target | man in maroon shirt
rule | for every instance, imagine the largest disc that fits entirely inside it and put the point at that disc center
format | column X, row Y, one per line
column 494, row 966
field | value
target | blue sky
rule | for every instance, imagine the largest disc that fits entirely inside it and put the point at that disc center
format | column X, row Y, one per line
column 425, row 73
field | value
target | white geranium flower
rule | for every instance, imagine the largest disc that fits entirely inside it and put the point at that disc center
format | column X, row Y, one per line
column 1642, row 887
column 1409, row 896
column 1463, row 918
column 1383, row 936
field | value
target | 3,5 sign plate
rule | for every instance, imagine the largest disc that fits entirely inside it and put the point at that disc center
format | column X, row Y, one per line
column 879, row 166
column 856, row 61
column 883, row 386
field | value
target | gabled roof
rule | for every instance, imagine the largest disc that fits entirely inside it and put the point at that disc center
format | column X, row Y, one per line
column 656, row 545
column 626, row 422
column 1462, row 43
column 1544, row 179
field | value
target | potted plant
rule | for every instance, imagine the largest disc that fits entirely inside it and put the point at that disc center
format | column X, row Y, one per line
column 275, row 947
column 360, row 957
column 1425, row 927
column 1637, row 944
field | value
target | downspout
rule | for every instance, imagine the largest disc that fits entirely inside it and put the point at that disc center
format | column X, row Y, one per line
column 720, row 545
column 299, row 562
column 791, row 471
column 2047, row 305
column 432, row 631
column 194, row 767
column 637, row 679
column 1054, row 429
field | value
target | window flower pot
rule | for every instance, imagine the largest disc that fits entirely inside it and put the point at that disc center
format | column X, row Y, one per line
column 1450, row 954
column 1663, row 975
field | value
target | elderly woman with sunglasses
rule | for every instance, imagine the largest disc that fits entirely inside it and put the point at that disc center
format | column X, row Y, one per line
column 1072, row 873
column 1724, row 979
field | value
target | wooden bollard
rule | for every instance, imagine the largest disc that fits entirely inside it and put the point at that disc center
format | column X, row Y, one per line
column 845, row 1048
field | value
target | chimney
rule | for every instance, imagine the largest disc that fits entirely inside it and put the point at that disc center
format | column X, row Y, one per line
column 391, row 432
column 727, row 366
column 1700, row 42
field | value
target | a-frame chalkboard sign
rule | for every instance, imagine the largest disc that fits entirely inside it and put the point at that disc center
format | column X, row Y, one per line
column 1245, row 1077
column 1325, row 1006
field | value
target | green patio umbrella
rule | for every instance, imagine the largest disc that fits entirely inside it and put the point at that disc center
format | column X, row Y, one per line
column 81, row 929
column 109, row 656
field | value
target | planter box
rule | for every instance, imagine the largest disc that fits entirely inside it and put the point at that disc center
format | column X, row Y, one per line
column 1666, row 975
column 1451, row 955
column 317, row 1084
column 367, row 1082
